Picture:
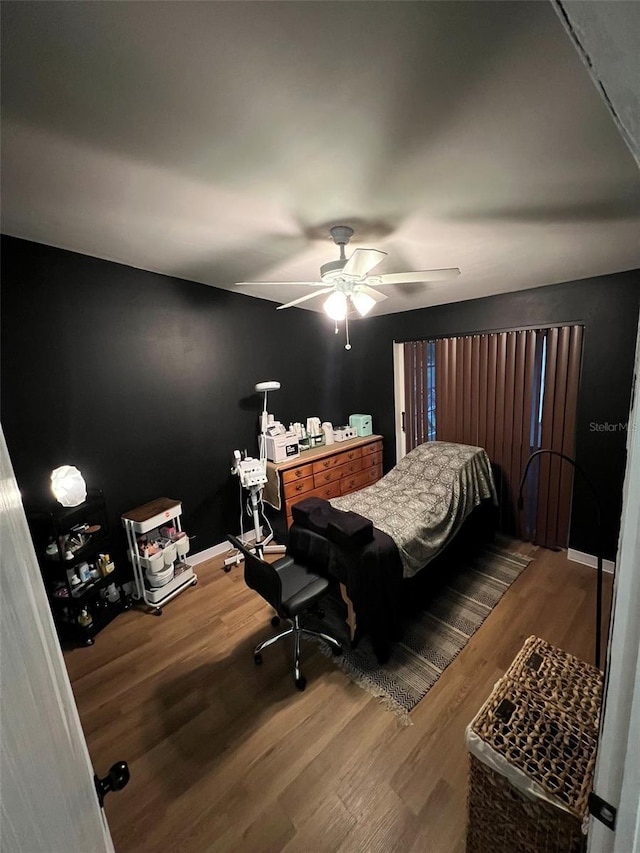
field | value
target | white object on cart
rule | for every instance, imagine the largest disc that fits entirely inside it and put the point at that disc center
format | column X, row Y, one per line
column 160, row 566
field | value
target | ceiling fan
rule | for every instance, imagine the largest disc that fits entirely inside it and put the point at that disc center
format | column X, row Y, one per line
column 348, row 281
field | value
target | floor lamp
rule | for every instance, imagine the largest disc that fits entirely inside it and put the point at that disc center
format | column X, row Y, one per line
column 253, row 476
column 599, row 529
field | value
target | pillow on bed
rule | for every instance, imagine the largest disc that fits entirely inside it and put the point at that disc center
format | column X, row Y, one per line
column 312, row 513
column 345, row 528
column 348, row 529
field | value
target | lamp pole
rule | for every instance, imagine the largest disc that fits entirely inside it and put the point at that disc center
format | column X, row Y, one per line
column 599, row 529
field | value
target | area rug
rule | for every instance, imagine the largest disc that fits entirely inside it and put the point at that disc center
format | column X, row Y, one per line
column 433, row 636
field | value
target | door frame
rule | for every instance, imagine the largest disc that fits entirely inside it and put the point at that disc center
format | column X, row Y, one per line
column 398, row 400
column 49, row 801
column 617, row 775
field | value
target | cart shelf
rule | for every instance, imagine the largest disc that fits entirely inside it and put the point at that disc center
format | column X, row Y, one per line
column 147, row 519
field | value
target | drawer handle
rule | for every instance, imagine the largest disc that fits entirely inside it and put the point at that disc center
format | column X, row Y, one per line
column 327, row 477
column 298, row 473
column 351, row 455
column 299, row 487
column 326, row 464
column 352, row 483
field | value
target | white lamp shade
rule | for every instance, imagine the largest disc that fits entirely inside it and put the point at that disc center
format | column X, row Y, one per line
column 336, row 306
column 363, row 303
column 68, row 485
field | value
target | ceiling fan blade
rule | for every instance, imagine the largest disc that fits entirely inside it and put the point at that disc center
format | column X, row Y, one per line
column 363, row 260
column 419, row 275
column 304, row 298
column 251, row 283
column 374, row 294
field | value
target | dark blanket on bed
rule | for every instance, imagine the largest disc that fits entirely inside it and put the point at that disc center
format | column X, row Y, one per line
column 347, row 546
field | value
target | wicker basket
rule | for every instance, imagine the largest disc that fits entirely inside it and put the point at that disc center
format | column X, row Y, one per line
column 561, row 679
column 532, row 753
column 503, row 820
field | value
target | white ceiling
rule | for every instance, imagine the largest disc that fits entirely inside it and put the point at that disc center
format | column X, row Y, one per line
column 217, row 141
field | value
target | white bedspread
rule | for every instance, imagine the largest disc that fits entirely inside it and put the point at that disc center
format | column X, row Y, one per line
column 422, row 502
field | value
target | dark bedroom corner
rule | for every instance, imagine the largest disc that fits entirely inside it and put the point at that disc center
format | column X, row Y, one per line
column 320, row 428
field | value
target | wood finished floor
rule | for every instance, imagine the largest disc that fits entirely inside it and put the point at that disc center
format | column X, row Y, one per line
column 227, row 756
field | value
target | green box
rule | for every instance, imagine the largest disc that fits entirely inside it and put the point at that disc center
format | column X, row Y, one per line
column 363, row 424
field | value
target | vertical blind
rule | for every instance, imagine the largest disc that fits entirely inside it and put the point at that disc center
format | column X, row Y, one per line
column 511, row 393
column 419, row 392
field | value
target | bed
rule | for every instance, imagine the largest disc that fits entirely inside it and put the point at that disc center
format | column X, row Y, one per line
column 376, row 539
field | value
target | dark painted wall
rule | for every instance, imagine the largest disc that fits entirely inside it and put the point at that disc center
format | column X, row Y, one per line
column 145, row 382
column 608, row 308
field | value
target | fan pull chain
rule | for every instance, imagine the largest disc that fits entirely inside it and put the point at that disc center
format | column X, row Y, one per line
column 336, row 329
column 346, row 328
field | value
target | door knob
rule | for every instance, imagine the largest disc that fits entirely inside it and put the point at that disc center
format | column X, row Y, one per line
column 115, row 780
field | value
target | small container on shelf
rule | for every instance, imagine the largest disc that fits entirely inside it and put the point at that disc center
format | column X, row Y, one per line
column 169, row 554
column 85, row 620
column 105, row 565
column 179, row 568
column 182, row 545
column 160, row 579
column 52, row 551
column 152, row 563
column 111, row 594
column 84, row 571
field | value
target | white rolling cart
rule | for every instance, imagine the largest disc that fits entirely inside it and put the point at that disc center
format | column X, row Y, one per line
column 146, row 520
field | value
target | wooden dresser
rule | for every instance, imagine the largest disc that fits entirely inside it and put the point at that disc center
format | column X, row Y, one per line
column 328, row 472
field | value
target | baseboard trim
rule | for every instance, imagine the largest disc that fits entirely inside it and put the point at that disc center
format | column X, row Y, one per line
column 590, row 560
column 219, row 549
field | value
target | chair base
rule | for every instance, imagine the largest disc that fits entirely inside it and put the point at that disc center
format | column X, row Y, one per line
column 297, row 632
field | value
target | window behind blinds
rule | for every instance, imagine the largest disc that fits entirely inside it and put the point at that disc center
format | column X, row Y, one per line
column 511, row 393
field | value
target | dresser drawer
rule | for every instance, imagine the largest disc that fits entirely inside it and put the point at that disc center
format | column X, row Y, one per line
column 337, row 473
column 374, row 447
column 299, row 473
column 331, row 490
column 298, row 487
column 338, row 459
column 358, row 481
column 372, row 459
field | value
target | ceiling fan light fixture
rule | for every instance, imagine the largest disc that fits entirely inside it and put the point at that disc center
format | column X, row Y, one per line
column 336, row 306
column 363, row 303
column 349, row 282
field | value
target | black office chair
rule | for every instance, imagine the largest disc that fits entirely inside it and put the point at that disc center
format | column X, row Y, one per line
column 289, row 588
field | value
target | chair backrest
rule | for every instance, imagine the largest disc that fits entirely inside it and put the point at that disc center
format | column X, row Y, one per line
column 259, row 574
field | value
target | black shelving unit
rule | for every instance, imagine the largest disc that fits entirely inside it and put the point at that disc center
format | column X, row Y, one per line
column 68, row 542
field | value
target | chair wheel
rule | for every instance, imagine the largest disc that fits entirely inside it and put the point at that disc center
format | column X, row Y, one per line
column 257, row 659
column 301, row 682
column 275, row 621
